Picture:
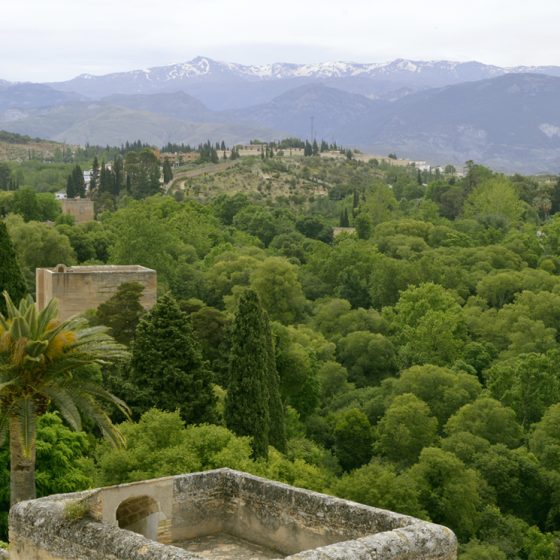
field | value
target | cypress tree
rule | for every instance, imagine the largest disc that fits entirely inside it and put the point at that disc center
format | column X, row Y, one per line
column 344, row 221
column 277, row 426
column 167, row 366
column 247, row 401
column 11, row 278
column 117, row 175
column 167, row 171
column 94, row 181
column 355, row 199
column 70, row 188
column 315, row 148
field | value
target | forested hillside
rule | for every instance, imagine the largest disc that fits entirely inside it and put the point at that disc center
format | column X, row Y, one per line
column 411, row 365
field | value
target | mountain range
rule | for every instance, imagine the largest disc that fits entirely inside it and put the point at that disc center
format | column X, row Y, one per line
column 442, row 111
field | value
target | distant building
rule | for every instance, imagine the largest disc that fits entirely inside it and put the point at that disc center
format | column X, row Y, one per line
column 348, row 230
column 79, row 288
column 178, row 158
column 422, row 165
column 88, row 174
column 245, row 150
column 80, row 208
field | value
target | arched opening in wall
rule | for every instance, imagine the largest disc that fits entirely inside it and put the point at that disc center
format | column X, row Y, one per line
column 140, row 514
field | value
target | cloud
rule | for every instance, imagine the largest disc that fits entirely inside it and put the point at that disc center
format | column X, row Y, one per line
column 61, row 38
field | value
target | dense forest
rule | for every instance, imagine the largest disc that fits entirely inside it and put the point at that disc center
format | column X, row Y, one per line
column 410, row 363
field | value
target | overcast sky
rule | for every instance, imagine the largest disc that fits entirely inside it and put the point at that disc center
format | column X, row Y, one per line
column 44, row 40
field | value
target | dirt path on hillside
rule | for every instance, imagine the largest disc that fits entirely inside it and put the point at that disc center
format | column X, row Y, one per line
column 178, row 182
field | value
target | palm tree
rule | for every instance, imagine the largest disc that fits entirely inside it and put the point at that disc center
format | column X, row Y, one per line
column 46, row 362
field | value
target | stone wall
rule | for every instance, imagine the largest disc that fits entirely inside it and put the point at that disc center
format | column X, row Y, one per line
column 79, row 288
column 80, row 208
column 301, row 524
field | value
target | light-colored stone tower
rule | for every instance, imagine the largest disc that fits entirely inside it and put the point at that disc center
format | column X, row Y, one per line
column 79, row 288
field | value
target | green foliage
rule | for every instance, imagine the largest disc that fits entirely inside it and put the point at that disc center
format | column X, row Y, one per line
column 297, row 364
column 11, row 278
column 122, row 312
column 76, row 510
column 494, row 203
column 379, row 485
column 252, row 401
column 167, row 366
column 142, row 172
column 405, row 429
column 38, row 245
column 431, row 342
column 449, row 491
column 528, row 383
column 44, row 360
column 476, row 551
column 275, row 281
column 545, row 439
column 353, row 439
column 444, row 390
column 368, row 357
column 159, row 444
column 75, row 184
column 489, row 419
column 429, row 325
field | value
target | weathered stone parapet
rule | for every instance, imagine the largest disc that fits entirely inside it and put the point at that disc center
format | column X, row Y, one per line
column 299, row 524
column 40, row 530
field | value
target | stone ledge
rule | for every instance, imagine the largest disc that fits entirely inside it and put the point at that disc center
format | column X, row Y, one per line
column 304, row 525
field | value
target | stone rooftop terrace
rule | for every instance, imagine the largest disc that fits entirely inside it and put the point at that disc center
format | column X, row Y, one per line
column 222, row 515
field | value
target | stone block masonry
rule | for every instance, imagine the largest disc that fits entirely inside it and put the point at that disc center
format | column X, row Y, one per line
column 79, row 288
column 141, row 521
column 80, row 208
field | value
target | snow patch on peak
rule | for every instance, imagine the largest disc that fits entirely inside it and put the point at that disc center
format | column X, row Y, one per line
column 550, row 130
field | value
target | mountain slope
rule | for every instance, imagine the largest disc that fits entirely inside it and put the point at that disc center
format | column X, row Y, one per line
column 510, row 122
column 32, row 96
column 101, row 123
column 178, row 105
column 330, row 109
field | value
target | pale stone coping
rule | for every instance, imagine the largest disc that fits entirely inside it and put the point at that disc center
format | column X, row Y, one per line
column 39, row 528
column 111, row 268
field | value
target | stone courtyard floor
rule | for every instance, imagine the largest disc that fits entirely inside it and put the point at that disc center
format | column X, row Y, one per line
column 226, row 547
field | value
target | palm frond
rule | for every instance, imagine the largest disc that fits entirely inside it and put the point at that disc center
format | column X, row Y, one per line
column 26, row 416
column 99, row 392
column 93, row 411
column 4, row 425
column 63, row 401
column 10, row 307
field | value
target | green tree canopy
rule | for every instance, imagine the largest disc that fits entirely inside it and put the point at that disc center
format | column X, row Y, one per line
column 11, row 278
column 167, row 366
column 405, row 429
column 487, row 418
column 122, row 312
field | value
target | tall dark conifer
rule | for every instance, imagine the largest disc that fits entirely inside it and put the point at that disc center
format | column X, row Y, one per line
column 277, row 426
column 11, row 278
column 167, row 366
column 247, row 401
column 167, row 171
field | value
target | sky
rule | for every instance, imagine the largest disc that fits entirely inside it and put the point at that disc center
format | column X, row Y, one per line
column 54, row 40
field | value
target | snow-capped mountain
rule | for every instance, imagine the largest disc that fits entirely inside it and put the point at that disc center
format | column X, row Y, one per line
column 227, row 85
column 203, row 67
